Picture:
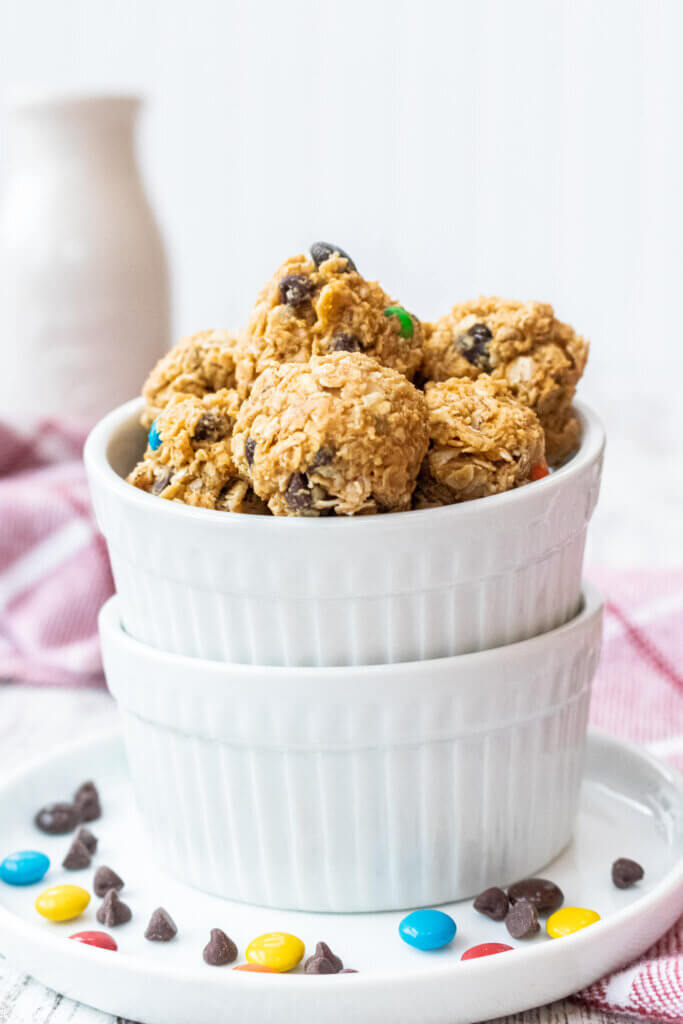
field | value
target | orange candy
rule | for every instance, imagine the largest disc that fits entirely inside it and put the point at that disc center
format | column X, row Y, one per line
column 258, row 968
column 539, row 470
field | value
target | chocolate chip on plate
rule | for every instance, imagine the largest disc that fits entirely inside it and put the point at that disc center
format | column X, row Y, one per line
column 321, row 251
column 522, row 920
column 344, row 342
column 161, row 927
column 545, row 895
column 87, row 800
column 85, row 836
column 106, row 879
column 57, row 819
column 296, row 289
column 113, row 911
column 78, row 857
column 493, row 902
column 220, row 949
column 323, row 961
column 297, row 492
column 474, row 345
column 626, row 872
column 348, row 970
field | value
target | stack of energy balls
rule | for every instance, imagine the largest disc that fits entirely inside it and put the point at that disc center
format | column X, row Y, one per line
column 337, row 401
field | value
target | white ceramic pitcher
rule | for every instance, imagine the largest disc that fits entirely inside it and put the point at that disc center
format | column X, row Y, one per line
column 84, row 297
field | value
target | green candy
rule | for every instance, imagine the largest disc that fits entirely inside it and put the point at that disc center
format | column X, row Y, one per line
column 404, row 319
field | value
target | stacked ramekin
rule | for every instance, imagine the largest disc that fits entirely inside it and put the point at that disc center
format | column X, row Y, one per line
column 351, row 714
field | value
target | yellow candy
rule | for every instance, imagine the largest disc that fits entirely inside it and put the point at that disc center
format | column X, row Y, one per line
column 62, row 902
column 570, row 919
column 277, row 950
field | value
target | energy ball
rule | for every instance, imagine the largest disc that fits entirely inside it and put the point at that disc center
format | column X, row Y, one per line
column 339, row 434
column 188, row 456
column 539, row 357
column 198, row 365
column 319, row 304
column 481, row 442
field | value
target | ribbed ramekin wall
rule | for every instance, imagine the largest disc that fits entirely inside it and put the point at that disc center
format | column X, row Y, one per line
column 354, row 806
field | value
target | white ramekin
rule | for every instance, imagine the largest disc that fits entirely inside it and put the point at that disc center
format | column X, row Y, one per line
column 365, row 788
column 372, row 590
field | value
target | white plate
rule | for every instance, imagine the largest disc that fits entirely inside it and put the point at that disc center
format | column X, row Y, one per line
column 631, row 806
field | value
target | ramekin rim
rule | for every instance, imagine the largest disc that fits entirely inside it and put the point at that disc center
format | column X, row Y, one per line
column 98, row 466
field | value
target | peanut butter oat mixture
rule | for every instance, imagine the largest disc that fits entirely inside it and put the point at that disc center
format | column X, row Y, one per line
column 338, row 434
column 199, row 364
column 539, row 357
column 188, row 457
column 318, row 304
column 481, row 442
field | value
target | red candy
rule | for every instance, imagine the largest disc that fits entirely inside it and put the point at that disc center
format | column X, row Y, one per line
column 485, row 949
column 539, row 471
column 99, row 939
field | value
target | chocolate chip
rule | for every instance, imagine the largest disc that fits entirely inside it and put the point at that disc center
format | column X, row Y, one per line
column 106, row 879
column 113, row 911
column 344, row 342
column 474, row 345
column 348, row 970
column 220, row 949
column 57, row 819
column 87, row 801
column 162, row 481
column 522, row 920
column 78, row 856
column 85, row 836
column 323, row 961
column 492, row 902
column 297, row 492
column 323, row 457
column 210, row 427
column 545, row 895
column 296, row 289
column 321, row 251
column 250, row 450
column 161, row 927
column 626, row 873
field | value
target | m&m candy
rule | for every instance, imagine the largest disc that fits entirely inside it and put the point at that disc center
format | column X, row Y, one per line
column 277, row 950
column 255, row 968
column 427, row 929
column 99, row 939
column 485, row 949
column 62, row 902
column 570, row 919
column 24, row 867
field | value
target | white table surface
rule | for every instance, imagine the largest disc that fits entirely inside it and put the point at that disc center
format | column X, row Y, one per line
column 31, row 721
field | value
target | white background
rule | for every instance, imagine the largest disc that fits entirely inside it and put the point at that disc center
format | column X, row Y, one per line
column 525, row 147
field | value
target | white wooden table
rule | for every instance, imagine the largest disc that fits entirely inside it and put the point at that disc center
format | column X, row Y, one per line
column 31, row 721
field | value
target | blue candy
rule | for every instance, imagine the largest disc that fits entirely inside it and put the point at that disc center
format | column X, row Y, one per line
column 24, row 867
column 427, row 929
column 154, row 438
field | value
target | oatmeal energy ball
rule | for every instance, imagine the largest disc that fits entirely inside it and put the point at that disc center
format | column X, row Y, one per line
column 318, row 304
column 340, row 434
column 522, row 343
column 188, row 455
column 481, row 442
column 199, row 364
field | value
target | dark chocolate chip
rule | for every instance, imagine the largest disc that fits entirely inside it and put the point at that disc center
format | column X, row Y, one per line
column 297, row 492
column 162, row 481
column 323, row 457
column 545, row 895
column 161, row 927
column 88, row 839
column 87, row 801
column 323, row 961
column 78, row 856
column 57, row 819
column 210, row 427
column 321, row 251
column 250, row 450
column 492, row 902
column 522, row 920
column 348, row 970
column 344, row 342
column 626, row 873
column 106, row 879
column 220, row 949
column 474, row 345
column 113, row 911
column 296, row 289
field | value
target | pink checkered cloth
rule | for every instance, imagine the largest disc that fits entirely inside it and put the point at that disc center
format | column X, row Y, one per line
column 54, row 576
